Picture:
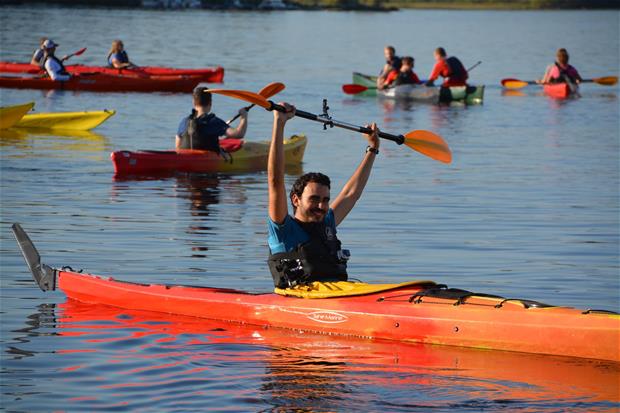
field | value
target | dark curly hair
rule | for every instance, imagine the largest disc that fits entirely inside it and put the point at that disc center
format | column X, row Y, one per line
column 302, row 181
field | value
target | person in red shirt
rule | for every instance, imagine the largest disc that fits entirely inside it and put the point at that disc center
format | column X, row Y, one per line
column 450, row 68
column 404, row 76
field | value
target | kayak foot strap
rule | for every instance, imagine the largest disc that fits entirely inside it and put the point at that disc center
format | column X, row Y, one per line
column 43, row 274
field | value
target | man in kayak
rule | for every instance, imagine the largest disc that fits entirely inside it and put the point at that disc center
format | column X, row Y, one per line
column 404, row 76
column 561, row 71
column 53, row 65
column 117, row 57
column 202, row 129
column 38, row 58
column 392, row 62
column 304, row 247
column 450, row 68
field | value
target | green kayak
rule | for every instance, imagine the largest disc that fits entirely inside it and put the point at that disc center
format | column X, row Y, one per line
column 470, row 95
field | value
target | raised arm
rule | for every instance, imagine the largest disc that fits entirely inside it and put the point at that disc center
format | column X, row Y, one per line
column 352, row 190
column 278, row 208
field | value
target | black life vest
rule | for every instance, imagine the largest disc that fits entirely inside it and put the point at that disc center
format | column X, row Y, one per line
column 63, row 70
column 457, row 70
column 403, row 78
column 198, row 135
column 319, row 259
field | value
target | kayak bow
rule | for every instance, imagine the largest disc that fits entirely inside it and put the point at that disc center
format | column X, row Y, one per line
column 421, row 312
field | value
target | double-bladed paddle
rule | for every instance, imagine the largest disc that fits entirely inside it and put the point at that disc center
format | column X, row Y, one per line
column 79, row 52
column 354, row 89
column 268, row 91
column 423, row 141
column 511, row 83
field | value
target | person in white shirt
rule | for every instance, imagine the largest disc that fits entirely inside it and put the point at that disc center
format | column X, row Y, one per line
column 53, row 66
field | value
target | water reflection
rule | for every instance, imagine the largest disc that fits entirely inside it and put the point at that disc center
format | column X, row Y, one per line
column 57, row 140
column 103, row 357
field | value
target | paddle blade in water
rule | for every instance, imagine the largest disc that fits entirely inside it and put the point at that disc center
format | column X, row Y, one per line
column 352, row 89
column 429, row 144
column 245, row 95
column 513, row 83
column 271, row 89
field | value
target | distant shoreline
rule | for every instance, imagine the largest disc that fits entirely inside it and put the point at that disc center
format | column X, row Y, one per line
column 342, row 5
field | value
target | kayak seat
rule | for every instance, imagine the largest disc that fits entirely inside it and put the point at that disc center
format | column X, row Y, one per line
column 231, row 145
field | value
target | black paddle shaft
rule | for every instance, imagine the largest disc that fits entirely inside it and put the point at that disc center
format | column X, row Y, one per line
column 327, row 121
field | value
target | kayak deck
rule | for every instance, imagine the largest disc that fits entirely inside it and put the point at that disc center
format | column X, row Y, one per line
column 470, row 95
column 65, row 120
column 10, row 115
column 207, row 74
column 420, row 312
column 251, row 157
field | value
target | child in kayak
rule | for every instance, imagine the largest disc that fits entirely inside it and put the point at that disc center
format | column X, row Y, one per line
column 117, row 57
column 561, row 71
column 304, row 246
column 202, row 129
column 404, row 76
column 450, row 68
column 53, row 66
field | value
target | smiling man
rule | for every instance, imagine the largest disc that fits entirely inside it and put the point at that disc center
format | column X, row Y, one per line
column 304, row 247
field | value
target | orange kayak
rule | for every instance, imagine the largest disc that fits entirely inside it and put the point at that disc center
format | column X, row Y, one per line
column 422, row 312
column 207, row 74
column 558, row 90
column 99, row 82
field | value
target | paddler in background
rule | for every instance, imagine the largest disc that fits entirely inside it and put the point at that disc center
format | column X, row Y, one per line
column 202, row 129
column 392, row 62
column 450, row 68
column 38, row 57
column 561, row 71
column 304, row 247
column 117, row 56
column 53, row 66
column 404, row 76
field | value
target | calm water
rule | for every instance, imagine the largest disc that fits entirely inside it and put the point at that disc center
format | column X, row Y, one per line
column 529, row 208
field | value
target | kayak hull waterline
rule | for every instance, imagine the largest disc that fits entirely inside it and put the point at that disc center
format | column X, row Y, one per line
column 414, row 312
column 65, row 120
column 251, row 157
column 208, row 74
column 11, row 115
column 471, row 95
column 98, row 82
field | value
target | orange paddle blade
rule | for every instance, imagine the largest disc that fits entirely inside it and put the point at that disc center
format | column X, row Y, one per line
column 271, row 89
column 352, row 89
column 251, row 97
column 607, row 80
column 514, row 83
column 429, row 144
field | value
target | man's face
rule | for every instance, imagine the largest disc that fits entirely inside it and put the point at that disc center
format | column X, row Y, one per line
column 388, row 54
column 313, row 204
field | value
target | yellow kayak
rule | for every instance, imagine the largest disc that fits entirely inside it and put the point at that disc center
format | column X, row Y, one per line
column 65, row 120
column 10, row 115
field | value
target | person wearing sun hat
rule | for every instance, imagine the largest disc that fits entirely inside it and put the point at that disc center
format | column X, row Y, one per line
column 53, row 65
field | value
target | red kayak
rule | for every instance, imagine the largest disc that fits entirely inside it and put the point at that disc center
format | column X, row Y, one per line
column 99, row 82
column 421, row 311
column 208, row 74
column 559, row 90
